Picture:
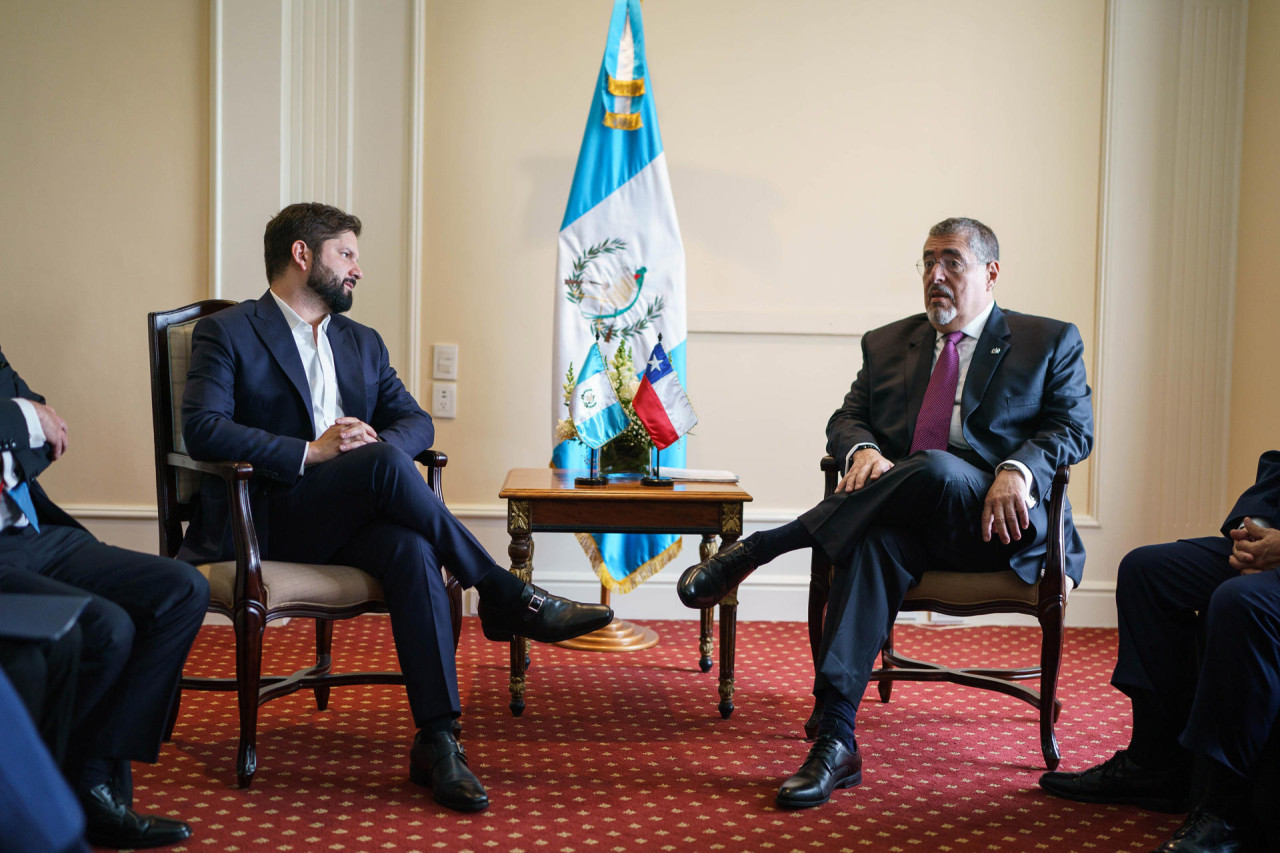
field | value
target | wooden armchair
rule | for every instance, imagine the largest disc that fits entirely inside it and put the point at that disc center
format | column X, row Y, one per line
column 968, row 594
column 249, row 590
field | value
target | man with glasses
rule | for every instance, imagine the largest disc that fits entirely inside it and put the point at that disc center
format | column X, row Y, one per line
column 950, row 436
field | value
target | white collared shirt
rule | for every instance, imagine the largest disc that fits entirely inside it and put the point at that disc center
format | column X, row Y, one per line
column 317, row 363
column 10, row 515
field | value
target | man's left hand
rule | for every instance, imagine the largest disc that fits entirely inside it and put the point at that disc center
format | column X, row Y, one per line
column 1257, row 549
column 1004, row 514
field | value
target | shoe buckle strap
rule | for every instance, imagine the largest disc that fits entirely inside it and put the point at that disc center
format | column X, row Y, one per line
column 536, row 601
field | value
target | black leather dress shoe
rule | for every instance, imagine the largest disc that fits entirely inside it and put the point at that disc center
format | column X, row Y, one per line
column 703, row 585
column 1203, row 832
column 1120, row 780
column 111, row 823
column 830, row 765
column 543, row 617
column 437, row 761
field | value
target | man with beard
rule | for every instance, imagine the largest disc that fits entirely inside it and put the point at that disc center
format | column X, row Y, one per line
column 309, row 397
column 949, row 437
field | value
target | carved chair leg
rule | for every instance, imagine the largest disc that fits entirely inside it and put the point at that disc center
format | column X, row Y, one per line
column 886, row 653
column 1050, row 665
column 250, row 624
column 324, row 658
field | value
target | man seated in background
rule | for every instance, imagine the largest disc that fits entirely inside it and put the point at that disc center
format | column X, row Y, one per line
column 1197, row 714
column 949, row 437
column 309, row 397
column 137, row 628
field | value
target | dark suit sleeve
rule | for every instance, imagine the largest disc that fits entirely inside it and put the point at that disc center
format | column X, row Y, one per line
column 1064, row 429
column 15, row 437
column 1262, row 498
column 208, row 411
column 850, row 425
column 397, row 417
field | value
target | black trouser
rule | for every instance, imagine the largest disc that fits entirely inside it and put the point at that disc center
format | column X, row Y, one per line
column 1228, row 705
column 924, row 513
column 142, row 616
column 370, row 508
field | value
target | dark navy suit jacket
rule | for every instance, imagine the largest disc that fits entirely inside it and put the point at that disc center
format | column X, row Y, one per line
column 1261, row 500
column 14, row 438
column 1025, row 398
column 247, row 400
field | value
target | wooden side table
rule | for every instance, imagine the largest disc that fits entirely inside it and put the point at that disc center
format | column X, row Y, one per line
column 544, row 499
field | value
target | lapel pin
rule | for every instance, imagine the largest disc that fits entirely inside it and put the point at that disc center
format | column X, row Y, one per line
column 995, row 350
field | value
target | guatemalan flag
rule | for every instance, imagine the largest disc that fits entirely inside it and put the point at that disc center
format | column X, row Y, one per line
column 620, row 272
column 597, row 415
column 660, row 401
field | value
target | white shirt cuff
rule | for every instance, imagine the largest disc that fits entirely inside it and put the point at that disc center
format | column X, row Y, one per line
column 35, row 432
column 1027, row 480
column 848, row 457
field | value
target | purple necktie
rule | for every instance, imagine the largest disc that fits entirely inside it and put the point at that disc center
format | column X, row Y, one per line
column 933, row 424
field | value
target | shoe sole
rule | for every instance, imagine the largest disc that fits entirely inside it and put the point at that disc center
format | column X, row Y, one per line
column 508, row 636
column 847, row 782
column 418, row 776
column 1151, row 804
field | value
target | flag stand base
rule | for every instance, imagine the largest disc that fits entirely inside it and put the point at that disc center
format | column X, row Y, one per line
column 666, row 482
column 618, row 636
column 590, row 481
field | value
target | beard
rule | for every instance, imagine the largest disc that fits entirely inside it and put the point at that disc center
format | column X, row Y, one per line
column 329, row 287
column 938, row 314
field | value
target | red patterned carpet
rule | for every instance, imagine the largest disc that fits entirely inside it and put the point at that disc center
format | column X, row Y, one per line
column 622, row 752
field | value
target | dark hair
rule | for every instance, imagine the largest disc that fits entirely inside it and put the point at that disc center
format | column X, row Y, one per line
column 981, row 239
column 310, row 222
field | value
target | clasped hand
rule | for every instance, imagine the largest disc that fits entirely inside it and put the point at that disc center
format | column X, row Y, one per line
column 55, row 428
column 345, row 435
column 1257, row 548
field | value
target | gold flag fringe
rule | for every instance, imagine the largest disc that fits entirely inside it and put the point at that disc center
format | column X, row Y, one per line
column 633, row 580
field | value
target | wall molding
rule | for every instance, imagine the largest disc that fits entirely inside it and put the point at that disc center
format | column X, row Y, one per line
column 417, row 201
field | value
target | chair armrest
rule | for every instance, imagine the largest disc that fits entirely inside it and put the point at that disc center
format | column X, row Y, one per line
column 433, row 461
column 229, row 471
column 248, row 584
column 1054, row 573
column 830, row 475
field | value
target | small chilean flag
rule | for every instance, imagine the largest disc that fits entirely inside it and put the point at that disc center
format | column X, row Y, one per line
column 660, row 401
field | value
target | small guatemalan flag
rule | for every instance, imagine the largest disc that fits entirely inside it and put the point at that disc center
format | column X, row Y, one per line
column 597, row 415
column 660, row 401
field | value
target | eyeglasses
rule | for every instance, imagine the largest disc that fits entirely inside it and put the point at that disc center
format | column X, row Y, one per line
column 950, row 265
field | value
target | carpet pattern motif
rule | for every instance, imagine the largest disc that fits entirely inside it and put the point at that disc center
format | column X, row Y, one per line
column 623, row 752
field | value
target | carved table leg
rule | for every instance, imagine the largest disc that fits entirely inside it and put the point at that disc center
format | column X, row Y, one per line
column 705, row 551
column 730, row 530
column 521, row 553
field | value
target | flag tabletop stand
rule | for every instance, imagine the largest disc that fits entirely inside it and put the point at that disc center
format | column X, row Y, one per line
column 657, row 479
column 596, row 478
column 618, row 636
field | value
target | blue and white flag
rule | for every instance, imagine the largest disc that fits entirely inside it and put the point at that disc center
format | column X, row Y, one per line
column 620, row 273
column 597, row 415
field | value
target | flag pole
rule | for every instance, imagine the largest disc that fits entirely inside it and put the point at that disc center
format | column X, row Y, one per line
column 595, row 479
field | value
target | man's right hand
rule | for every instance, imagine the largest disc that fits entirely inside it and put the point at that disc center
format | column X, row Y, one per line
column 346, row 434
column 866, row 465
column 55, row 428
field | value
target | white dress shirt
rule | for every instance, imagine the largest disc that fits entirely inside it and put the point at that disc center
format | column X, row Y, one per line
column 10, row 515
column 317, row 363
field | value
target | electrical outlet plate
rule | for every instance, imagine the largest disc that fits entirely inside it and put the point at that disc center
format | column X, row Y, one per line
column 444, row 400
column 444, row 363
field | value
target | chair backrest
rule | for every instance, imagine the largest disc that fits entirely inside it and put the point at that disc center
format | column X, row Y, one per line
column 169, row 339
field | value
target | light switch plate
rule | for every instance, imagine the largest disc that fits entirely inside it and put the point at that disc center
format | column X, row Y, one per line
column 444, row 361
column 444, row 400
